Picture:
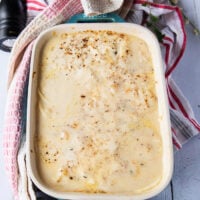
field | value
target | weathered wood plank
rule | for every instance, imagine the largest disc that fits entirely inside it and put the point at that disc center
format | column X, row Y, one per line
column 164, row 195
column 186, row 179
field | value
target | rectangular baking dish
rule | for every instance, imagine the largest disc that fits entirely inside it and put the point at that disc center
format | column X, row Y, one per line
column 155, row 52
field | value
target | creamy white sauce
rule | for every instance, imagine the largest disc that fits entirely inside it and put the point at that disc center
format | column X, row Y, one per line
column 98, row 128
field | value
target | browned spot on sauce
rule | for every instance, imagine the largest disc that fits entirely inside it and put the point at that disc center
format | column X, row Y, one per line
column 33, row 75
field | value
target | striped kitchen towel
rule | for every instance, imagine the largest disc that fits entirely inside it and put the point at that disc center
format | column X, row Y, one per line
column 163, row 19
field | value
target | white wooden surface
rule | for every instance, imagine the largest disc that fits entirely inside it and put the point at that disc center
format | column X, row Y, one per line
column 185, row 184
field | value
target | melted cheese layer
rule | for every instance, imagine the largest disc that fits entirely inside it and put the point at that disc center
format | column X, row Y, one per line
column 97, row 112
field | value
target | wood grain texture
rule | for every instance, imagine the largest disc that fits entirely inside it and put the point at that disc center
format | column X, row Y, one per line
column 185, row 184
column 186, row 179
column 164, row 195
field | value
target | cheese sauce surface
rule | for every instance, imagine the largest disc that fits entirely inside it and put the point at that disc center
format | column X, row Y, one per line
column 97, row 114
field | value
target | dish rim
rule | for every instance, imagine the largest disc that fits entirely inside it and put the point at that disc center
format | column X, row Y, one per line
column 167, row 142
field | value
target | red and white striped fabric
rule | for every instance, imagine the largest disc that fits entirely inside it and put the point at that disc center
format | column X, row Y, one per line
column 170, row 24
column 34, row 7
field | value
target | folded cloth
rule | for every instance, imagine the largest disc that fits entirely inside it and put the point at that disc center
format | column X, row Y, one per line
column 191, row 11
column 96, row 7
column 163, row 19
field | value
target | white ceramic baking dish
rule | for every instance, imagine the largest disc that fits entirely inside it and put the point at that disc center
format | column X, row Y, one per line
column 154, row 48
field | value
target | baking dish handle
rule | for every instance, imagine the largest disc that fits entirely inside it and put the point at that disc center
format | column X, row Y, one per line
column 104, row 18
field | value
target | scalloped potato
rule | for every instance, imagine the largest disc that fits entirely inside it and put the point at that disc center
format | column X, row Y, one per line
column 97, row 114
